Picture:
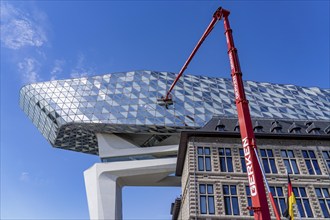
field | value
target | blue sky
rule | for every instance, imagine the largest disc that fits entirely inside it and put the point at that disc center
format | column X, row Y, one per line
column 284, row 42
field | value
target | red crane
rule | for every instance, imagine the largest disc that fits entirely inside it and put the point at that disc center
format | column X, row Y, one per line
column 255, row 171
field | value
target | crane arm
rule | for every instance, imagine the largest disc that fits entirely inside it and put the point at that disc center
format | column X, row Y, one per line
column 254, row 169
column 216, row 17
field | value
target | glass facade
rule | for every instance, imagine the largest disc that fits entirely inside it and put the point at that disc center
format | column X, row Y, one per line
column 69, row 112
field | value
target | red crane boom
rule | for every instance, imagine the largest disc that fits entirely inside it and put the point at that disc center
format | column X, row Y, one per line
column 254, row 169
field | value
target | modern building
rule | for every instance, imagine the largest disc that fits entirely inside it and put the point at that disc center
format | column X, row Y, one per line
column 117, row 117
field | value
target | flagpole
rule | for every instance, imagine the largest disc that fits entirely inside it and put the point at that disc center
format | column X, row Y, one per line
column 299, row 216
column 294, row 205
column 291, row 201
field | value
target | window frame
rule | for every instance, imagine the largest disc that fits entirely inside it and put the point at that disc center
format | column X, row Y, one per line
column 226, row 159
column 326, row 158
column 311, row 161
column 209, row 198
column 303, row 203
column 249, row 199
column 325, row 198
column 242, row 159
column 279, row 198
column 268, row 162
column 291, row 161
column 204, row 159
column 231, row 197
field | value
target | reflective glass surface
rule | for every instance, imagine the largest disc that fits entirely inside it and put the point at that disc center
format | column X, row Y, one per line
column 69, row 112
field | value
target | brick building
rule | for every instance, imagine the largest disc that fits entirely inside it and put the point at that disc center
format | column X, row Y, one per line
column 214, row 181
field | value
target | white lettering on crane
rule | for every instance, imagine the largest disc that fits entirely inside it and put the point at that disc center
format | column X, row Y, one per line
column 249, row 167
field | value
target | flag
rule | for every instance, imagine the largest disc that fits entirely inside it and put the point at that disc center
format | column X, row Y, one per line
column 290, row 202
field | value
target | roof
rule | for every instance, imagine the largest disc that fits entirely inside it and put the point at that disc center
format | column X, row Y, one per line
column 263, row 129
column 69, row 112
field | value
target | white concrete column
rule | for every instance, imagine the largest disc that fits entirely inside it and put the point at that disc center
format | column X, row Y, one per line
column 103, row 195
column 104, row 182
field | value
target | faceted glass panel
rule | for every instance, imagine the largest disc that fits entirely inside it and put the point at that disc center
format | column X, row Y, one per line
column 69, row 112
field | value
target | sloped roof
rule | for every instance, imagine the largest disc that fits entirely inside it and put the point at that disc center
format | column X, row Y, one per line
column 263, row 129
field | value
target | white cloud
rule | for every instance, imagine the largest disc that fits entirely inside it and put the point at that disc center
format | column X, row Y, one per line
column 57, row 69
column 19, row 29
column 24, row 177
column 29, row 68
column 27, row 177
column 81, row 70
column 79, row 73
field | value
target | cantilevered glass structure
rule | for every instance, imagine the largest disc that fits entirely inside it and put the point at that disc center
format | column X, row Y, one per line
column 69, row 112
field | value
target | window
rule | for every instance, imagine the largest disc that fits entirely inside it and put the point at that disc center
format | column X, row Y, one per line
column 279, row 198
column 324, row 200
column 248, row 197
column 204, row 159
column 268, row 160
column 311, row 162
column 226, row 161
column 231, row 200
column 290, row 161
column 241, row 154
column 304, row 207
column 326, row 156
column 206, row 198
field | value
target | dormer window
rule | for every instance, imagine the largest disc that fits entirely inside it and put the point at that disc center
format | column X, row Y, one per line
column 237, row 127
column 327, row 130
column 257, row 127
column 276, row 127
column 312, row 128
column 220, row 126
column 294, row 128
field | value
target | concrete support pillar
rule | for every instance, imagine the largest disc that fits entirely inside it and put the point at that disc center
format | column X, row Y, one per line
column 104, row 182
column 103, row 190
